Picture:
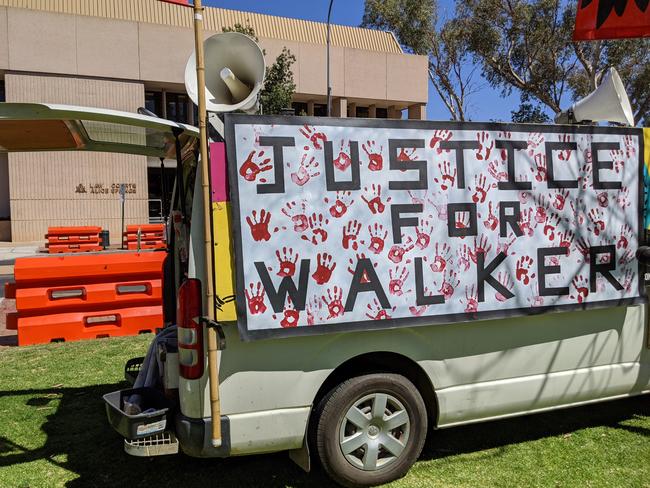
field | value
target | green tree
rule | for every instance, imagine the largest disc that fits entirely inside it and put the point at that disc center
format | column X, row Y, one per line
column 417, row 28
column 527, row 45
column 279, row 87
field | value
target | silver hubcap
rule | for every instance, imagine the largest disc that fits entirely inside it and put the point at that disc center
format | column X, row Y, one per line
column 374, row 431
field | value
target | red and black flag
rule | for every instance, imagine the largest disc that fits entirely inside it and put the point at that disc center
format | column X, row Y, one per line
column 612, row 19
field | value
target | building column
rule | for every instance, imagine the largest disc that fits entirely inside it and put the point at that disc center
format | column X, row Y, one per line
column 417, row 111
column 310, row 108
column 372, row 111
column 340, row 107
column 394, row 113
column 352, row 109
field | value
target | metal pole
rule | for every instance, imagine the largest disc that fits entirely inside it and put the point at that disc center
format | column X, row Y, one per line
column 213, row 368
column 329, row 88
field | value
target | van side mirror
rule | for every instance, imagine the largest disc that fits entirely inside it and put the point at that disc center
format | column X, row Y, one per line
column 643, row 254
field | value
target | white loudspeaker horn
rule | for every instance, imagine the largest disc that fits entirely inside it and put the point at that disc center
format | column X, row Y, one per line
column 608, row 102
column 234, row 73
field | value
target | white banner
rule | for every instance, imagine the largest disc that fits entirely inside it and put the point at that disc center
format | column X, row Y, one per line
column 369, row 224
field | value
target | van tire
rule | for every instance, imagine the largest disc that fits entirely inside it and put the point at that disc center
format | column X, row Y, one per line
column 402, row 426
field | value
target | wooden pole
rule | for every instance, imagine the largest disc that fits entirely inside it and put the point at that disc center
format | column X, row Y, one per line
column 213, row 367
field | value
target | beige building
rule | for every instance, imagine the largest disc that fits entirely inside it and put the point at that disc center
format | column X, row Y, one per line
column 125, row 54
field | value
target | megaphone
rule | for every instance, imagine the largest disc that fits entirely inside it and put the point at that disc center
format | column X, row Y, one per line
column 608, row 102
column 234, row 73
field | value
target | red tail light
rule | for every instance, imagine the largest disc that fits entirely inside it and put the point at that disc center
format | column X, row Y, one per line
column 190, row 331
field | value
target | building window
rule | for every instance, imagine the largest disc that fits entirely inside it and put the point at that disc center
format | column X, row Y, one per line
column 382, row 113
column 363, row 112
column 178, row 107
column 300, row 108
column 320, row 110
column 173, row 106
column 153, row 102
column 2, row 91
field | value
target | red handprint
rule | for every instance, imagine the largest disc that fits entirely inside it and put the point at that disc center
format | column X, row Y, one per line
column 625, row 234
column 438, row 137
column 418, row 311
column 485, row 146
column 630, row 147
column 376, row 311
column 540, row 167
column 552, row 221
column 504, row 246
column 260, row 228
column 627, row 280
column 622, row 197
column 449, row 284
column 297, row 213
column 397, row 280
column 291, row 315
column 581, row 284
column 255, row 299
column 540, row 210
column 396, row 253
column 372, row 197
column 317, row 224
column 324, row 268
column 250, row 169
column 464, row 260
column 334, row 302
column 481, row 188
column 627, row 257
column 377, row 240
column 523, row 269
column 583, row 248
column 560, row 198
column 491, row 222
column 343, row 160
column 535, row 139
column 618, row 159
column 497, row 172
column 341, row 204
column 525, row 224
column 306, row 171
column 440, row 257
column 447, row 178
column 375, row 159
column 314, row 308
column 406, row 155
column 596, row 218
column 353, row 265
column 423, row 232
column 471, row 299
column 350, row 234
column 287, row 261
column 316, row 138
column 565, row 154
column 506, row 281
column 480, row 246
column 603, row 199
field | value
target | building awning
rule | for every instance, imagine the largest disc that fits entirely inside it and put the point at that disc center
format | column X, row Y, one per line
column 44, row 127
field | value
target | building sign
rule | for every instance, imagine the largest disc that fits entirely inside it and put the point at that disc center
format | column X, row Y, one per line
column 101, row 189
column 612, row 19
column 365, row 225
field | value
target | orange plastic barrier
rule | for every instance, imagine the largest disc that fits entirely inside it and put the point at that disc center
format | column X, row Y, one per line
column 73, row 239
column 67, row 298
column 152, row 236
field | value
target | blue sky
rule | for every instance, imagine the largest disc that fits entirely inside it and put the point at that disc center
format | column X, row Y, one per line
column 486, row 104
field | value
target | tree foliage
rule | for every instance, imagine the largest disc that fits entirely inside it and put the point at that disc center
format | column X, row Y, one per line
column 279, row 87
column 527, row 45
column 416, row 26
column 523, row 46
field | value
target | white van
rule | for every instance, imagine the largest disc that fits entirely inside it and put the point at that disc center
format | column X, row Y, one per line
column 359, row 387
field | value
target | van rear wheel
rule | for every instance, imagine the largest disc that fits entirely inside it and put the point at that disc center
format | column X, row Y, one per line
column 370, row 429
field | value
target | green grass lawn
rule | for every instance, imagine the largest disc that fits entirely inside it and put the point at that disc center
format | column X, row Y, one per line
column 53, row 432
